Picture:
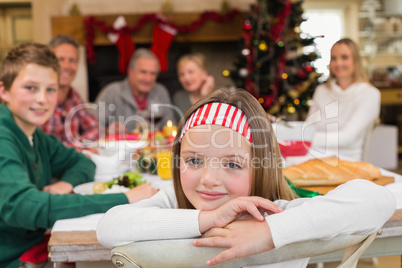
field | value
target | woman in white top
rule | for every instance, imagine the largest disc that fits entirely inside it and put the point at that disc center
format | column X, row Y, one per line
column 345, row 107
column 229, row 189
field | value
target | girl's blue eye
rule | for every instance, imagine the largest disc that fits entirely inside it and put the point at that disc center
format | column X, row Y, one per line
column 51, row 89
column 194, row 161
column 30, row 87
column 233, row 165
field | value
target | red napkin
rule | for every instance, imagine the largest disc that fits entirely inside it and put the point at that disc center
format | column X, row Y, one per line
column 128, row 137
column 37, row 253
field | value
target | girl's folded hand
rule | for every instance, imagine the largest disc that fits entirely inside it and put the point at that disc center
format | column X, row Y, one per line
column 257, row 240
column 239, row 207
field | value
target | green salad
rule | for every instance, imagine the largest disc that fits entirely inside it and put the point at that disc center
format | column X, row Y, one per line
column 129, row 179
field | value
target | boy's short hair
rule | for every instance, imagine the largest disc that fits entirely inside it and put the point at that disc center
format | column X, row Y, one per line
column 24, row 54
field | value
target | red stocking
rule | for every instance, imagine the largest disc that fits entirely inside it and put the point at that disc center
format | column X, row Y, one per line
column 162, row 39
column 123, row 42
column 126, row 48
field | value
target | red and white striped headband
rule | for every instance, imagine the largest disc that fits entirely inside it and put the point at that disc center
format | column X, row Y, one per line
column 220, row 114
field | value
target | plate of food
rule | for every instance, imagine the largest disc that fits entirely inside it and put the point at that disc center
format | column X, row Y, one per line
column 118, row 184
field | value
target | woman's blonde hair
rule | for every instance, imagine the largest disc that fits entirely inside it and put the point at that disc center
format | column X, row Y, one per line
column 359, row 74
column 267, row 178
column 198, row 58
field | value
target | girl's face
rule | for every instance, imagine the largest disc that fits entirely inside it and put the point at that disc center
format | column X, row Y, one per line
column 191, row 76
column 342, row 64
column 215, row 166
column 32, row 96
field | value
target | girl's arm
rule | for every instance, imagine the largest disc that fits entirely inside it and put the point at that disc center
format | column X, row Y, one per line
column 156, row 218
column 244, row 206
column 357, row 207
column 149, row 219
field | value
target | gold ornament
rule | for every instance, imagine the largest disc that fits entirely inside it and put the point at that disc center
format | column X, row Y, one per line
column 294, row 94
column 274, row 109
column 263, row 46
column 226, row 73
column 282, row 99
column 291, row 109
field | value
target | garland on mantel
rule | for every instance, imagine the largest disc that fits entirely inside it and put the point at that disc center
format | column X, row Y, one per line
column 91, row 22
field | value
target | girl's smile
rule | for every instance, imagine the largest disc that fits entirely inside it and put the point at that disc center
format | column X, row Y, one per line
column 210, row 195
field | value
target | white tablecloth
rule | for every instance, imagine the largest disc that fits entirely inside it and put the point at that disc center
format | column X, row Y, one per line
column 88, row 223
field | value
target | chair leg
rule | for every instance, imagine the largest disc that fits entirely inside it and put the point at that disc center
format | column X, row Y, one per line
column 375, row 260
column 321, row 264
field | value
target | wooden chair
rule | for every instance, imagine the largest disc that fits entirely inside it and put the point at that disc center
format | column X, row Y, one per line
column 181, row 253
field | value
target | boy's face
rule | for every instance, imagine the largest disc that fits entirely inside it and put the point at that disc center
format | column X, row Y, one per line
column 68, row 59
column 32, row 97
column 215, row 166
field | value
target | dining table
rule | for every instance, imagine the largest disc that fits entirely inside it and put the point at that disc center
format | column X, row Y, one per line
column 74, row 240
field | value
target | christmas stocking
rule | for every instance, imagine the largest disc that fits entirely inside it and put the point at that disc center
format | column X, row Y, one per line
column 162, row 39
column 123, row 42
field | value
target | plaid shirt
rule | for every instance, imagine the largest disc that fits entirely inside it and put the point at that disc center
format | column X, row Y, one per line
column 83, row 124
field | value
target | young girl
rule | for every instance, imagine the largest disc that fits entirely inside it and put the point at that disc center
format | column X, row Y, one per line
column 29, row 159
column 348, row 100
column 227, row 174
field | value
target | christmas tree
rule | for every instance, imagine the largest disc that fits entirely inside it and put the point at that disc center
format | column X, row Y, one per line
column 272, row 65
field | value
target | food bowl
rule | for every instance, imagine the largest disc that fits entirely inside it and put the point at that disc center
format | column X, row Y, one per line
column 294, row 137
column 121, row 147
column 104, row 163
column 294, row 148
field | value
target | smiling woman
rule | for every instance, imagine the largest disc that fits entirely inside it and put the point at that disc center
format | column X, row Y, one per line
column 347, row 99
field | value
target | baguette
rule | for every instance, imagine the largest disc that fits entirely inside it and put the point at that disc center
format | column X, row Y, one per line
column 330, row 171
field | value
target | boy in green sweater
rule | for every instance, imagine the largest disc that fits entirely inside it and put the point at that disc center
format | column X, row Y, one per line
column 29, row 158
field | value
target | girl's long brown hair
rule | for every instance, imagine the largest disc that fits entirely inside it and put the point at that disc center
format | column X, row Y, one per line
column 267, row 178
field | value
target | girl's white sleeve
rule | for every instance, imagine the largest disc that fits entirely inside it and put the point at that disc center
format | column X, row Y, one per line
column 149, row 219
column 356, row 207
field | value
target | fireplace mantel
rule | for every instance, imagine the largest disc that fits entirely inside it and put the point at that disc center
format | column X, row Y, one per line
column 210, row 32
